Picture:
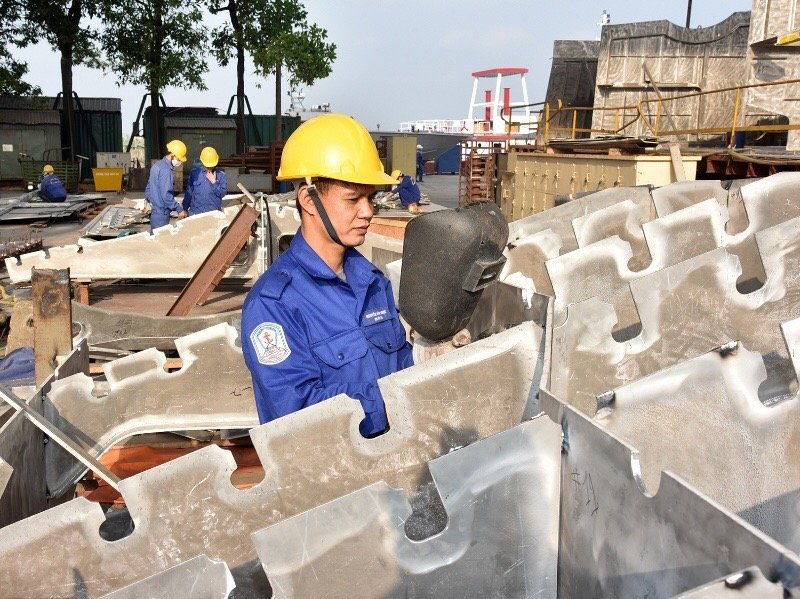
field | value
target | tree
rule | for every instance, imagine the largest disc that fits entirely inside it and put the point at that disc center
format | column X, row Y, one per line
column 156, row 43
column 64, row 24
column 277, row 35
column 225, row 43
column 302, row 49
column 12, row 35
column 287, row 40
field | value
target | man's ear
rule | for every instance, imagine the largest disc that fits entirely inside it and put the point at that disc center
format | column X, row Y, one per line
column 305, row 201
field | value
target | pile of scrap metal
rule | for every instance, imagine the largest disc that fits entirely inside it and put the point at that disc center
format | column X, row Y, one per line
column 30, row 242
column 639, row 438
column 28, row 207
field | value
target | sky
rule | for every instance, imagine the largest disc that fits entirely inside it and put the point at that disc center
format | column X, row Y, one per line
column 400, row 60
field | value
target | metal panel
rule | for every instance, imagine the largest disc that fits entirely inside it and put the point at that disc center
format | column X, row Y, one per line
column 235, row 238
column 133, row 331
column 602, row 269
column 170, row 252
column 265, row 125
column 530, row 182
column 212, row 390
column 621, row 536
column 52, row 319
column 198, row 578
column 33, row 140
column 685, row 310
column 22, row 448
column 188, row 506
column 713, row 401
column 745, row 584
column 501, row 495
column 63, row 440
column 681, row 61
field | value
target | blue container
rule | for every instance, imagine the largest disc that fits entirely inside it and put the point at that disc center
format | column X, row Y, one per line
column 449, row 162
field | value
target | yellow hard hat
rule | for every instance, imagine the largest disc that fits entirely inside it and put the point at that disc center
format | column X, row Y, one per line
column 396, row 174
column 48, row 169
column 334, row 146
column 177, row 147
column 209, row 157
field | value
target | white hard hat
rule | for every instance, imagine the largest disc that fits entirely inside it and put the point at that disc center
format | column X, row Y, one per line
column 419, row 147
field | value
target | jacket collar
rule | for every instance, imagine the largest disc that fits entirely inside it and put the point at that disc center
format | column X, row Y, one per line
column 355, row 265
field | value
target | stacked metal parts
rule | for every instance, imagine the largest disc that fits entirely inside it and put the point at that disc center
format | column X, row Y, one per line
column 641, row 439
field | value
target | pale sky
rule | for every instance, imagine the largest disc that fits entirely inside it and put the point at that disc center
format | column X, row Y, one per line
column 401, row 60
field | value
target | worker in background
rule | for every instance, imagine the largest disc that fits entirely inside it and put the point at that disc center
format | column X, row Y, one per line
column 407, row 191
column 51, row 189
column 420, row 163
column 207, row 185
column 159, row 191
column 322, row 320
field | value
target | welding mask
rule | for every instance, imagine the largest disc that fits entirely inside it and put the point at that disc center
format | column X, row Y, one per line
column 449, row 257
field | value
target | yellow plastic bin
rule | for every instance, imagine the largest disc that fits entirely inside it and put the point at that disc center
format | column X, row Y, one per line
column 107, row 179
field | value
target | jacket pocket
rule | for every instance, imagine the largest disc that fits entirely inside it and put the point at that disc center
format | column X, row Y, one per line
column 388, row 335
column 341, row 349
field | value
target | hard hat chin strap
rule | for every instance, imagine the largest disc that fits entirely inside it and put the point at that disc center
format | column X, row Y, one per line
column 323, row 214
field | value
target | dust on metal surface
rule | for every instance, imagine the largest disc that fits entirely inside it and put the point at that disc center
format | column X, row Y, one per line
column 52, row 319
column 135, row 331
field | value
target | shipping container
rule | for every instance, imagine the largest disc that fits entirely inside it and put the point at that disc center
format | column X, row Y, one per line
column 35, row 133
column 98, row 125
column 98, row 128
column 449, row 162
column 259, row 129
column 218, row 131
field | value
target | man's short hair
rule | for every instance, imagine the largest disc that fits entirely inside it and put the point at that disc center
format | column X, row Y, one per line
column 323, row 185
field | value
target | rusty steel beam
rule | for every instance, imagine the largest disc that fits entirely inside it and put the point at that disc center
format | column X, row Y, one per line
column 52, row 319
column 217, row 262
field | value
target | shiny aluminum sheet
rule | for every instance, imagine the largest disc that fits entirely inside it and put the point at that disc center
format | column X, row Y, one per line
column 188, row 506
column 501, row 539
column 685, row 310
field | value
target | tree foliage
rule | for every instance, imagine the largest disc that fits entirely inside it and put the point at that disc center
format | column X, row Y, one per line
column 277, row 35
column 66, row 26
column 156, row 43
column 12, row 35
column 291, row 43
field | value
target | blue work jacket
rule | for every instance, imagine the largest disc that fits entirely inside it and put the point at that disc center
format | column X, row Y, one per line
column 408, row 191
column 201, row 195
column 52, row 189
column 307, row 335
column 159, row 189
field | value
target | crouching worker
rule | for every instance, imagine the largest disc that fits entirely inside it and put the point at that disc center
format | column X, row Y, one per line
column 51, row 189
column 407, row 191
column 322, row 320
column 207, row 185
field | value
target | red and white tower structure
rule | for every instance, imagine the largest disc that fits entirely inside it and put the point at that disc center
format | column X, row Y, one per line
column 498, row 118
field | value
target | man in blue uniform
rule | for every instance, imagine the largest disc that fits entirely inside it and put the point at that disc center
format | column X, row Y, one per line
column 51, row 189
column 159, row 190
column 322, row 320
column 407, row 191
column 420, row 163
column 207, row 184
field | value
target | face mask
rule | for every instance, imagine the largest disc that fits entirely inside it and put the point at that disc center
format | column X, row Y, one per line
column 175, row 162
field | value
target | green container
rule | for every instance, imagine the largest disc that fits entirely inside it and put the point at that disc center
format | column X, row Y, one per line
column 98, row 128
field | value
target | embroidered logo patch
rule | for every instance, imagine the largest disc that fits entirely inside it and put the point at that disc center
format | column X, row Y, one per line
column 376, row 316
column 269, row 343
